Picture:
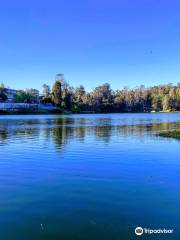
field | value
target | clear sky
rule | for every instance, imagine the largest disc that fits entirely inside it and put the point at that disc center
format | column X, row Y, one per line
column 123, row 42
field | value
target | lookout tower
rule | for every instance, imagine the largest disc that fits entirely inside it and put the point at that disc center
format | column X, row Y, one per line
column 59, row 77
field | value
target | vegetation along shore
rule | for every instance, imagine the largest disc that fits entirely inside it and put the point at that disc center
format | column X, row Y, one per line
column 64, row 98
column 170, row 134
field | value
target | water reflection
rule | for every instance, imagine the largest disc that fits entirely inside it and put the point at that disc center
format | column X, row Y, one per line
column 78, row 174
column 62, row 130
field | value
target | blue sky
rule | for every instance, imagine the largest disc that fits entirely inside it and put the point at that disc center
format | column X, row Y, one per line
column 123, row 42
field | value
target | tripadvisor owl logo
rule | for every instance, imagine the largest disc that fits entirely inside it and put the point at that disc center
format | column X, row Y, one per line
column 139, row 231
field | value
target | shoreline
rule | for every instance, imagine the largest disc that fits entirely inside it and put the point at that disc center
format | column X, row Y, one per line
column 62, row 112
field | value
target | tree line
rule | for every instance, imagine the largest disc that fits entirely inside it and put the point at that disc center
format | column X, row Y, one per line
column 104, row 100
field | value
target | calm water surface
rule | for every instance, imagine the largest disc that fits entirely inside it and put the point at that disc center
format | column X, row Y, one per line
column 88, row 177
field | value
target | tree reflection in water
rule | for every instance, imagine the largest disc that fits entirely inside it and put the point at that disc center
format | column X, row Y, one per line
column 61, row 131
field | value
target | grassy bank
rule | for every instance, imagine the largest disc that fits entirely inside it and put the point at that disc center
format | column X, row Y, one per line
column 171, row 134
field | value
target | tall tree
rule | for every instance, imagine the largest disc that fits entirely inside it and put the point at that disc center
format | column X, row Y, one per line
column 3, row 96
column 46, row 90
column 166, row 103
column 57, row 93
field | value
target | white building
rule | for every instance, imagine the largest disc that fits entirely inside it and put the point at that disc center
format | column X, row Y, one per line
column 10, row 93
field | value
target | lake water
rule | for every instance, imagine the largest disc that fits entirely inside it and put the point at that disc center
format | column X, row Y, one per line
column 88, row 177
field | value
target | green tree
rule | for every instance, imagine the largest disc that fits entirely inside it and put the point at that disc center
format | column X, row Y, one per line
column 46, row 90
column 157, row 102
column 3, row 96
column 20, row 97
column 166, row 103
column 47, row 98
column 28, row 96
column 67, row 95
column 103, row 98
column 57, row 93
column 32, row 95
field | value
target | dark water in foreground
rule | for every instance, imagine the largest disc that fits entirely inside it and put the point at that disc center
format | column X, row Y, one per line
column 88, row 177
